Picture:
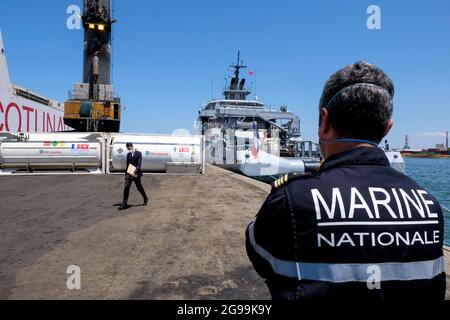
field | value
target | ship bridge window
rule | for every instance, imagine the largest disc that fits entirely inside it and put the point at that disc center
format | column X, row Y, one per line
column 211, row 106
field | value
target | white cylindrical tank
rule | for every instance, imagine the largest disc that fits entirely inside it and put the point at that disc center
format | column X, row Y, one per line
column 157, row 150
column 52, row 151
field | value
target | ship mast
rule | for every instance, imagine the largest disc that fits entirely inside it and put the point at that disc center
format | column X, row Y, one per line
column 236, row 90
column 239, row 65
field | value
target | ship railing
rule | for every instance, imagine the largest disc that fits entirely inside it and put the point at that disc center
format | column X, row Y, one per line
column 301, row 149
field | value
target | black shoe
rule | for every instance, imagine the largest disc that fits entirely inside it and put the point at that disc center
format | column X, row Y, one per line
column 145, row 202
column 124, row 206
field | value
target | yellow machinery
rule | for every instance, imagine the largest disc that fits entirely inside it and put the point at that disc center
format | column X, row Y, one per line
column 87, row 116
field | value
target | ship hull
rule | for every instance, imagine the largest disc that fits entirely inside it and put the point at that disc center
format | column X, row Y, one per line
column 22, row 115
column 22, row 110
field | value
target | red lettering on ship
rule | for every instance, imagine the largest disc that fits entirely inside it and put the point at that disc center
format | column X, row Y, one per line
column 35, row 120
column 19, row 119
column 1, row 110
column 49, row 123
column 28, row 111
column 8, row 109
column 60, row 124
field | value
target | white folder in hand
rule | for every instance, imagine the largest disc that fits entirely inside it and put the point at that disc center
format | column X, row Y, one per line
column 131, row 170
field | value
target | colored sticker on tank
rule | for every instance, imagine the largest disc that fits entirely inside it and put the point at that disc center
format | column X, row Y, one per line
column 80, row 147
column 54, row 144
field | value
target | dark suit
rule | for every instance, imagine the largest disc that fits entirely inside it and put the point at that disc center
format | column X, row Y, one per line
column 135, row 160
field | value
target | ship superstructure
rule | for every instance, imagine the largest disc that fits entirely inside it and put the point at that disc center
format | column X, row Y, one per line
column 249, row 137
column 230, row 126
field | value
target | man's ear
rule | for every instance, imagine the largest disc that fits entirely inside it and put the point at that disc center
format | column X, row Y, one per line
column 389, row 126
column 324, row 128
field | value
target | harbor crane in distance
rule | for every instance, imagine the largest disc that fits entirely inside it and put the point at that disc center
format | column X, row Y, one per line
column 93, row 105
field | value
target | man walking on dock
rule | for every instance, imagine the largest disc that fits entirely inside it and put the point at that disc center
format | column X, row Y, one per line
column 133, row 174
column 356, row 229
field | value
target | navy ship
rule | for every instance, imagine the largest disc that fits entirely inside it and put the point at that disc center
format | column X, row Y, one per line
column 247, row 136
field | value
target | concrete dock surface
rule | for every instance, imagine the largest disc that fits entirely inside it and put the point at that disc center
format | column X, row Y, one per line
column 187, row 244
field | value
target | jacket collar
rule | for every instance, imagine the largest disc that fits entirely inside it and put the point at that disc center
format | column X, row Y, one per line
column 357, row 156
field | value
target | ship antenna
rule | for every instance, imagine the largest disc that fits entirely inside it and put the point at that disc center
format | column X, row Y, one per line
column 212, row 89
column 238, row 66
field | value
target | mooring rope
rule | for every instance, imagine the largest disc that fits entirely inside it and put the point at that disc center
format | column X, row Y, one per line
column 445, row 208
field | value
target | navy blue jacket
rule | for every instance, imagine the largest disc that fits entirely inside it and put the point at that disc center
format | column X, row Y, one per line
column 356, row 230
column 135, row 160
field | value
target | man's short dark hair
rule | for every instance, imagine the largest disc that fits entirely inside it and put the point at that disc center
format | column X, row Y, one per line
column 359, row 111
column 129, row 145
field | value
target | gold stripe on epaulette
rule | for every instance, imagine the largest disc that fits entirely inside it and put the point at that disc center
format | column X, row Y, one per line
column 281, row 181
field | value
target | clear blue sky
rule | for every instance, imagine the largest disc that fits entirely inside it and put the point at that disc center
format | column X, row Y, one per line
column 168, row 53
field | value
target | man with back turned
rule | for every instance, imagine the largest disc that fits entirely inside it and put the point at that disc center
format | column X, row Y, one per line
column 134, row 158
column 356, row 229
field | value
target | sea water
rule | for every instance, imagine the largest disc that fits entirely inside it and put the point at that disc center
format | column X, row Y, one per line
column 434, row 176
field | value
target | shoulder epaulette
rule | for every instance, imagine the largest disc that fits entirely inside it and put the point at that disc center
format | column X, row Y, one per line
column 284, row 180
